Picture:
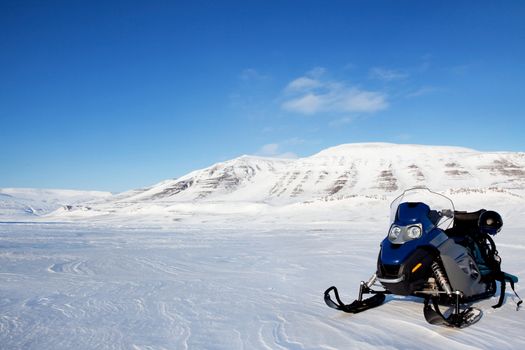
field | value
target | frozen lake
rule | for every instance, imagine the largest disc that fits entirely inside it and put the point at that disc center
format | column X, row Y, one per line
column 65, row 286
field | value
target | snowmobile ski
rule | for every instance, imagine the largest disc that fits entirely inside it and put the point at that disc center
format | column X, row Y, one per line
column 457, row 319
column 356, row 306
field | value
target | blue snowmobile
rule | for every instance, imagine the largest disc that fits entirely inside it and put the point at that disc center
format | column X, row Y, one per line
column 432, row 251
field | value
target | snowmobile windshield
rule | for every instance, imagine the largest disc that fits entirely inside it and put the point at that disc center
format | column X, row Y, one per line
column 439, row 210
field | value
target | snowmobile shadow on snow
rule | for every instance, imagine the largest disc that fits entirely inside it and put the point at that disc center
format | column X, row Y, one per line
column 433, row 252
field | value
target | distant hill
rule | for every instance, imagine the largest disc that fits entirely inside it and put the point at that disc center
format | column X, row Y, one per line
column 374, row 170
column 23, row 203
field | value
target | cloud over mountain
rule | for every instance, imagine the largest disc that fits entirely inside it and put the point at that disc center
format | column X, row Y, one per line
column 313, row 94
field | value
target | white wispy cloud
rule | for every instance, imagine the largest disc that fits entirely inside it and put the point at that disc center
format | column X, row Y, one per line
column 316, row 72
column 387, row 75
column 306, row 104
column 302, row 84
column 252, row 74
column 294, row 141
column 425, row 90
column 311, row 94
column 274, row 150
column 341, row 121
column 269, row 149
column 355, row 100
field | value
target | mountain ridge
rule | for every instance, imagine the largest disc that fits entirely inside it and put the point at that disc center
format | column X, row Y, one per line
column 373, row 170
column 344, row 171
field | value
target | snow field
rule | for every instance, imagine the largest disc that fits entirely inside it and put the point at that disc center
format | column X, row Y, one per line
column 212, row 286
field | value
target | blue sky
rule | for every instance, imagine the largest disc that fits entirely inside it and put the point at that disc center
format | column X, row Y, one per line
column 113, row 95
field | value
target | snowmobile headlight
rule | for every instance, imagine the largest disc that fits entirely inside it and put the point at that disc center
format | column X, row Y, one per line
column 403, row 234
column 414, row 232
column 394, row 233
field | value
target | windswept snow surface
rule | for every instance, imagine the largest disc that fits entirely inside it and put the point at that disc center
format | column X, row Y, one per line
column 223, row 285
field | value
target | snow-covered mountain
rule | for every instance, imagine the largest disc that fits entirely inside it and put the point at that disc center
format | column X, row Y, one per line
column 30, row 202
column 374, row 170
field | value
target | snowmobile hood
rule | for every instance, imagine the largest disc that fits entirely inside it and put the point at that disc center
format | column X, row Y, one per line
column 410, row 213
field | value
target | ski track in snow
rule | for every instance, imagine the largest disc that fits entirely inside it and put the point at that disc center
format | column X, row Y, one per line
column 65, row 287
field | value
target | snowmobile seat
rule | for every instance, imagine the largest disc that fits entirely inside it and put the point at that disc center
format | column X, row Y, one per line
column 465, row 224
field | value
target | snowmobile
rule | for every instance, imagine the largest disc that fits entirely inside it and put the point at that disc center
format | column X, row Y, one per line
column 444, row 256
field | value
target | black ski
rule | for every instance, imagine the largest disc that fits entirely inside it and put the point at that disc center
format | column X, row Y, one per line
column 357, row 305
column 458, row 319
